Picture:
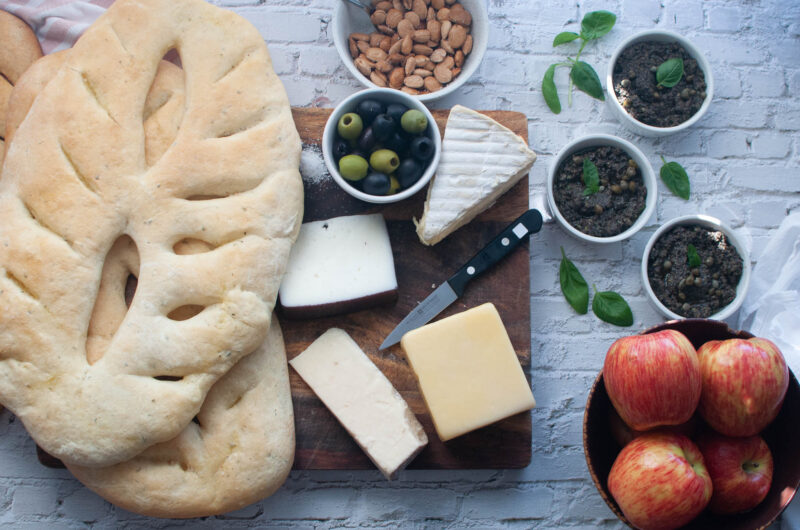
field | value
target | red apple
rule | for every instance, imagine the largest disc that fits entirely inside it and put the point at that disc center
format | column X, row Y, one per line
column 653, row 379
column 740, row 469
column 744, row 383
column 659, row 481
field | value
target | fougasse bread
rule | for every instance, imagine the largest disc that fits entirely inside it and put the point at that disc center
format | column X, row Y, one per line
column 81, row 177
column 19, row 48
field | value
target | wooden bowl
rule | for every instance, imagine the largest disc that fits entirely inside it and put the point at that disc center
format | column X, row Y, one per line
column 782, row 436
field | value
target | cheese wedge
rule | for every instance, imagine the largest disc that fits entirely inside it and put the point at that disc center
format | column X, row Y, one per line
column 481, row 160
column 362, row 399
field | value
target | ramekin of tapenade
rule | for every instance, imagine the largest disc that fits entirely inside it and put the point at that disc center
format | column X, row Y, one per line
column 695, row 267
column 640, row 101
column 617, row 205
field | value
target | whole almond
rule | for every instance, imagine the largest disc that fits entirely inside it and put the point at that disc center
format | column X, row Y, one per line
column 404, row 27
column 385, row 44
column 438, row 55
column 412, row 91
column 435, row 29
column 456, row 71
column 410, row 66
column 384, row 66
column 376, row 54
column 383, row 6
column 421, row 9
column 457, row 36
column 395, row 48
column 431, row 14
column 458, row 57
column 396, row 78
column 414, row 81
column 363, row 65
column 446, row 25
column 422, row 36
column 398, row 4
column 407, row 4
column 437, row 4
column 459, row 15
column 354, row 51
column 446, row 45
column 379, row 79
column 407, row 45
column 378, row 17
column 386, row 30
column 419, row 60
column 359, row 36
column 375, row 39
column 467, row 47
column 443, row 14
column 448, row 62
column 421, row 49
column 414, row 19
column 442, row 73
column 431, row 84
column 429, row 65
column 423, row 73
column 393, row 17
column 396, row 59
column 362, row 46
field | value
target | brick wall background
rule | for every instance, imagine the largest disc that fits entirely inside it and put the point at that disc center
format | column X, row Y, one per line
column 744, row 162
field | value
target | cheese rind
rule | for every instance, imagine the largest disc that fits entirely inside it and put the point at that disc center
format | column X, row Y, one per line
column 481, row 160
column 339, row 265
column 362, row 399
column 467, row 371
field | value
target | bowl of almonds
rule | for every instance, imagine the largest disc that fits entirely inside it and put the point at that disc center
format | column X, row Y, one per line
column 425, row 48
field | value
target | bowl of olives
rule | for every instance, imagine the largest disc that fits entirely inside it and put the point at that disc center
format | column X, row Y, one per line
column 381, row 145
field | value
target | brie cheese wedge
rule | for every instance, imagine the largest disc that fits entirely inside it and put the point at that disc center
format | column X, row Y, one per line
column 481, row 160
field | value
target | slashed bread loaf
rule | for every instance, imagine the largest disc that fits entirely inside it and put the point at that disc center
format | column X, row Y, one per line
column 81, row 177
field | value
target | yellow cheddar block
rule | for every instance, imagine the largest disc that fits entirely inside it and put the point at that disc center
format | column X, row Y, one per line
column 467, row 370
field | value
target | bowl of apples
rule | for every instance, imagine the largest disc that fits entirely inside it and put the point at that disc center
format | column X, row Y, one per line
column 691, row 424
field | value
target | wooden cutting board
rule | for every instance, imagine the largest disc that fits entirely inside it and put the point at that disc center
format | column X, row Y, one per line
column 322, row 443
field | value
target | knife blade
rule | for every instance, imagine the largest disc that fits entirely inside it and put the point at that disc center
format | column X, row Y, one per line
column 448, row 292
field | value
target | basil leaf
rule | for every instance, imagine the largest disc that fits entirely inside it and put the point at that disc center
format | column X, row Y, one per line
column 549, row 90
column 676, row 179
column 670, row 72
column 591, row 178
column 693, row 256
column 585, row 78
column 612, row 308
column 574, row 287
column 596, row 24
column 564, row 37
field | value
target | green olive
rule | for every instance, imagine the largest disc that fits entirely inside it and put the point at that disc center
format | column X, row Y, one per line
column 350, row 126
column 353, row 167
column 384, row 160
column 394, row 185
column 413, row 121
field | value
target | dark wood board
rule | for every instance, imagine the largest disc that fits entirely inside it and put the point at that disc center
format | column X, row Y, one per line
column 322, row 443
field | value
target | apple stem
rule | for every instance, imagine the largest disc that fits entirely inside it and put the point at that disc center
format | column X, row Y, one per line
column 750, row 467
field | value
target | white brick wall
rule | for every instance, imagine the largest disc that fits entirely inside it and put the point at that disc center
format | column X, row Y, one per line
column 744, row 162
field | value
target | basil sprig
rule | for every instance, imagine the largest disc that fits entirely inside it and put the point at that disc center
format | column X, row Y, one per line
column 593, row 26
column 676, row 179
column 591, row 178
column 574, row 287
column 669, row 73
column 692, row 256
column 612, row 308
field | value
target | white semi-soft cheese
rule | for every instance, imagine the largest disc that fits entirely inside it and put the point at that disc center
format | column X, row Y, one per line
column 467, row 370
column 481, row 160
column 362, row 399
column 339, row 265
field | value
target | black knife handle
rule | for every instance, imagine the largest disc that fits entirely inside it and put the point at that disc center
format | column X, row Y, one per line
column 498, row 248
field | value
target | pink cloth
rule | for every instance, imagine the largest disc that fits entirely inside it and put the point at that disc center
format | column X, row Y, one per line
column 58, row 23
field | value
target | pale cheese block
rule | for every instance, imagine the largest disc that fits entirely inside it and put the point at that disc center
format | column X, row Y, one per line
column 481, row 160
column 467, row 370
column 340, row 265
column 362, row 399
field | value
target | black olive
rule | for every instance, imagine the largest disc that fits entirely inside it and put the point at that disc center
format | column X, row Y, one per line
column 396, row 111
column 383, row 127
column 376, row 183
column 367, row 140
column 422, row 148
column 340, row 148
column 408, row 172
column 398, row 143
column 368, row 109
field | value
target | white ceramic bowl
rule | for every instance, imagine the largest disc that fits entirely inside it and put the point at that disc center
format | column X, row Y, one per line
column 387, row 96
column 713, row 224
column 647, row 175
column 658, row 35
column 349, row 19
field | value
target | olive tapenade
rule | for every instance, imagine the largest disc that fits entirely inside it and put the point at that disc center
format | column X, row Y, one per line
column 620, row 198
column 638, row 92
column 691, row 289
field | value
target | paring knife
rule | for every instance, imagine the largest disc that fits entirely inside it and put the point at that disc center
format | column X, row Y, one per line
column 501, row 246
